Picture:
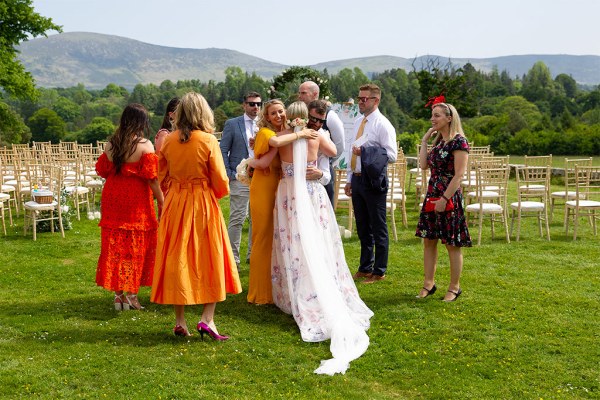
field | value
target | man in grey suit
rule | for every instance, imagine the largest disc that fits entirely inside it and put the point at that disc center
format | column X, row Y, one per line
column 235, row 147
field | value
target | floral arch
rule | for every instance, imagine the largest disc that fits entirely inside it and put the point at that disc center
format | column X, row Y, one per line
column 285, row 85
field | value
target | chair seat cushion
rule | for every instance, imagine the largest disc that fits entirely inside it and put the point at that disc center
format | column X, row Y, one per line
column 488, row 208
column 583, row 203
column 528, row 206
column 32, row 205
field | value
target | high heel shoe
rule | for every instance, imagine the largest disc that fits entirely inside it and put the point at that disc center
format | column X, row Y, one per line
column 456, row 294
column 180, row 331
column 429, row 291
column 203, row 328
column 132, row 303
column 119, row 302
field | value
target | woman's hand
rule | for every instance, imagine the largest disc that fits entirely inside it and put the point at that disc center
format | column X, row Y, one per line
column 308, row 134
column 440, row 205
column 428, row 134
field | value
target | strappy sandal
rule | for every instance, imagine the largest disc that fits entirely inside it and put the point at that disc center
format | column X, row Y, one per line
column 130, row 303
column 119, row 300
column 456, row 294
column 429, row 292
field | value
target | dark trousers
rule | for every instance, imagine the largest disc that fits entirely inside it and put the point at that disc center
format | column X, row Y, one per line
column 370, row 214
column 330, row 186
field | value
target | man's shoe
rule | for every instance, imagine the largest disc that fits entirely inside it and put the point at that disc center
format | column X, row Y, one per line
column 374, row 278
column 359, row 275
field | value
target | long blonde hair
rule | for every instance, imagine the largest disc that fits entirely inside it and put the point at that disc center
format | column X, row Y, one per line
column 193, row 113
column 455, row 125
column 262, row 117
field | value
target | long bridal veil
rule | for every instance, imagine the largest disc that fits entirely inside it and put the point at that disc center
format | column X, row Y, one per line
column 346, row 317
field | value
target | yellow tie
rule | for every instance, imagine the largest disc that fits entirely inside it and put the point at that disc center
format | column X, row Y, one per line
column 361, row 129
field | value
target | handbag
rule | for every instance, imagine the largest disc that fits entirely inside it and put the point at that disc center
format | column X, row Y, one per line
column 430, row 206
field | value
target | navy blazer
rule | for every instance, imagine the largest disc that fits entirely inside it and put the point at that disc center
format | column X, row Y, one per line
column 373, row 165
column 234, row 144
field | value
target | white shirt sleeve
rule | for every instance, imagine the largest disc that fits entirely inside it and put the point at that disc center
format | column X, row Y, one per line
column 336, row 128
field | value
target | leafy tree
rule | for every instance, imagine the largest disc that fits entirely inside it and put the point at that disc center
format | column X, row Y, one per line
column 12, row 127
column 568, row 85
column 99, row 129
column 522, row 114
column 345, row 84
column 113, row 90
column 67, row 109
column 19, row 22
column 46, row 125
column 538, row 84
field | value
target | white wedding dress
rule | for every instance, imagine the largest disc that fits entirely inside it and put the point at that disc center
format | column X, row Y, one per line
column 310, row 277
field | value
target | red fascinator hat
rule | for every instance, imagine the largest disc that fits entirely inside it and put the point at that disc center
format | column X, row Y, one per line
column 435, row 100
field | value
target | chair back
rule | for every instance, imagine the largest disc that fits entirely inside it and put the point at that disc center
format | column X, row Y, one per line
column 587, row 183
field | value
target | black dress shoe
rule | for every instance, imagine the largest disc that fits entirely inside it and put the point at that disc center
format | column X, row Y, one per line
column 429, row 291
column 456, row 294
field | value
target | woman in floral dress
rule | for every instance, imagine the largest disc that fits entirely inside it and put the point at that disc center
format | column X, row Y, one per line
column 311, row 280
column 448, row 162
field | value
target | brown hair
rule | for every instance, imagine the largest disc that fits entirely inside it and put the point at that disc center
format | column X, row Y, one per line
column 134, row 126
column 373, row 89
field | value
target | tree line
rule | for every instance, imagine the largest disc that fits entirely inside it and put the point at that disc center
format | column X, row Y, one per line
column 532, row 114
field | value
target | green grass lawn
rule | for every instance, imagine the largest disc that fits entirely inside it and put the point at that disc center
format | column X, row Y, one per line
column 527, row 326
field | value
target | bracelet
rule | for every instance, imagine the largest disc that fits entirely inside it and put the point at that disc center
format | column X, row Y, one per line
column 445, row 198
column 297, row 137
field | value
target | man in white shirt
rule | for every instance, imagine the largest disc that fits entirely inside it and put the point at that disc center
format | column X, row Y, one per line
column 317, row 111
column 373, row 130
column 234, row 144
column 307, row 92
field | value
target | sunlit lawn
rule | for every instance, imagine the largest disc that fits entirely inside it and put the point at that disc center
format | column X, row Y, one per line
column 527, row 326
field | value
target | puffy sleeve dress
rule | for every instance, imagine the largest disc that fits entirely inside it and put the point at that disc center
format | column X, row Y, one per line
column 451, row 226
column 128, row 224
column 194, row 260
column 262, row 204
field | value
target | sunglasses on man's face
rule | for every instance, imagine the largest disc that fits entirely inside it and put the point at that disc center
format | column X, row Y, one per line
column 364, row 99
column 314, row 120
column 254, row 103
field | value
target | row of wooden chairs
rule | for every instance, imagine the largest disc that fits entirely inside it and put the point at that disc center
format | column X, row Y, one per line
column 20, row 164
column 486, row 189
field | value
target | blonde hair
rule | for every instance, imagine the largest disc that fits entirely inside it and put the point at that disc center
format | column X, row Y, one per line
column 193, row 113
column 297, row 109
column 262, row 117
column 455, row 125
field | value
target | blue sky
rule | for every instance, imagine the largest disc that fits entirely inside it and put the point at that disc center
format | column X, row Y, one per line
column 309, row 32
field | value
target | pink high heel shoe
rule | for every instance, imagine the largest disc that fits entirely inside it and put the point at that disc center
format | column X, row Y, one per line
column 203, row 328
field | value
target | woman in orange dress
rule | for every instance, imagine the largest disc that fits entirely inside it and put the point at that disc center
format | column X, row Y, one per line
column 194, row 260
column 128, row 222
column 263, row 188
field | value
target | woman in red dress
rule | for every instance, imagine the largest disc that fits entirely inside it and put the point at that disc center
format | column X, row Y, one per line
column 128, row 223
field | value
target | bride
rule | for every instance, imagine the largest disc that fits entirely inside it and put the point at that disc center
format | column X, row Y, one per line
column 310, row 277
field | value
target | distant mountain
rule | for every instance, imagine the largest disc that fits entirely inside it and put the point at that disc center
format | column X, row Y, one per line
column 95, row 60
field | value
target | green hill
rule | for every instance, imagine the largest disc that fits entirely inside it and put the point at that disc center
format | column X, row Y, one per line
column 95, row 60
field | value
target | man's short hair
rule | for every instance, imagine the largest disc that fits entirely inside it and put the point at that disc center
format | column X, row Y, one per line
column 372, row 88
column 320, row 106
column 250, row 95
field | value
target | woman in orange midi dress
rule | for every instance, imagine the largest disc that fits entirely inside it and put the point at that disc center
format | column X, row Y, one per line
column 263, row 189
column 128, row 223
column 194, row 260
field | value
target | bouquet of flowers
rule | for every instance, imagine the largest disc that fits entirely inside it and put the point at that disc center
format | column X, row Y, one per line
column 299, row 123
column 244, row 172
